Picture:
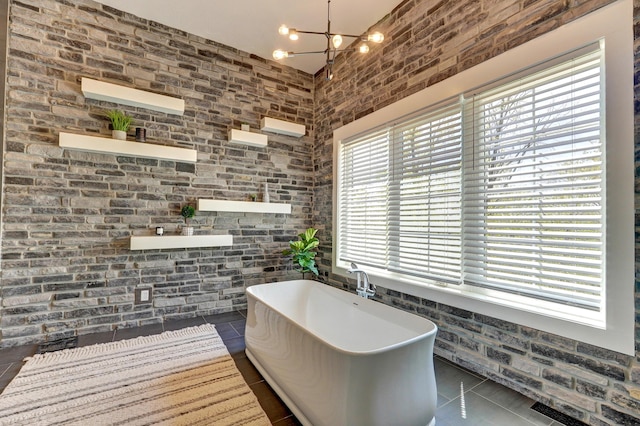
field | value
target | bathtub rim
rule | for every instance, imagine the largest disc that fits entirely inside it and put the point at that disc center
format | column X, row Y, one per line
column 383, row 349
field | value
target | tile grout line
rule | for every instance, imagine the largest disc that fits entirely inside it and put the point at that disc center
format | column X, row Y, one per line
column 236, row 330
column 464, row 370
column 511, row 411
column 6, row 369
column 476, row 385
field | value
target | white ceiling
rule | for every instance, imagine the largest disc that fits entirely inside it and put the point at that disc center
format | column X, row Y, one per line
column 252, row 25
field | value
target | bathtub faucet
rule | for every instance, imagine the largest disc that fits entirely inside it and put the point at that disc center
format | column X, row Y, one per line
column 364, row 288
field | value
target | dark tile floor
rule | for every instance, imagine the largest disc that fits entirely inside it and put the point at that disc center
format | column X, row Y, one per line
column 463, row 397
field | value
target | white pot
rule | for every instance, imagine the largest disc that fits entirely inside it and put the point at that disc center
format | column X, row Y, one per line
column 187, row 231
column 119, row 134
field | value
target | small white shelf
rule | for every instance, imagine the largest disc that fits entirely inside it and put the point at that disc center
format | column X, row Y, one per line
column 179, row 241
column 114, row 146
column 101, row 91
column 242, row 206
column 247, row 138
column 283, row 127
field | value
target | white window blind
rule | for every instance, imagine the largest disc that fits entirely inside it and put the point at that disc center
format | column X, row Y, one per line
column 400, row 197
column 503, row 190
column 533, row 209
column 425, row 196
column 364, row 194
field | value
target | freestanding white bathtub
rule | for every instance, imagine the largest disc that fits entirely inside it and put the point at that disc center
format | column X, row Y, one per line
column 339, row 359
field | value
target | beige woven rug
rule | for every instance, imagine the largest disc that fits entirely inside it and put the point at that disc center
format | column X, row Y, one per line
column 184, row 377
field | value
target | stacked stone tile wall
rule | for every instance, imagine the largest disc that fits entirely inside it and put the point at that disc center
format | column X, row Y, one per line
column 67, row 215
column 4, row 22
column 426, row 42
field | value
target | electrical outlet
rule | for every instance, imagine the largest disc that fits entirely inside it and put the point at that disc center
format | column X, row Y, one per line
column 143, row 295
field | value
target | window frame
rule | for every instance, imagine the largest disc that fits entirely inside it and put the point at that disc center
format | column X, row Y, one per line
column 614, row 329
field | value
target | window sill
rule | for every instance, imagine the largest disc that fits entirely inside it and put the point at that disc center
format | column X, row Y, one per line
column 564, row 321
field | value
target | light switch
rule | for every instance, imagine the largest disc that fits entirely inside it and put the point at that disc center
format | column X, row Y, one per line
column 143, row 295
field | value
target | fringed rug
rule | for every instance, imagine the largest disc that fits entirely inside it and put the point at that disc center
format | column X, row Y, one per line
column 184, row 377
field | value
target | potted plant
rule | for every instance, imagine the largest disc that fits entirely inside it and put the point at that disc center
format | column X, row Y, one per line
column 120, row 123
column 302, row 253
column 187, row 213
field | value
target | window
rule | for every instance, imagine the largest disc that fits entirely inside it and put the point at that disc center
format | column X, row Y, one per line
column 400, row 197
column 532, row 180
column 534, row 185
column 512, row 195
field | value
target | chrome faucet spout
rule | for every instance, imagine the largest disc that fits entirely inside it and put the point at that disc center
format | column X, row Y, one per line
column 354, row 268
column 364, row 288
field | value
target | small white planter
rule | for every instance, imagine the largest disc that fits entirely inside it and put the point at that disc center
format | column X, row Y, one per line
column 187, row 231
column 121, row 135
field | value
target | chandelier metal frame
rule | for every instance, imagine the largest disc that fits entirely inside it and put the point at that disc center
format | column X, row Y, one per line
column 334, row 41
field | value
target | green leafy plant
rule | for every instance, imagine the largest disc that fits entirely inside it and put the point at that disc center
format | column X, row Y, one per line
column 119, row 120
column 187, row 212
column 302, row 251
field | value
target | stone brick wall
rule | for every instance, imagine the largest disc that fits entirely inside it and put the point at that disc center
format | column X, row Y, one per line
column 426, row 42
column 4, row 22
column 67, row 215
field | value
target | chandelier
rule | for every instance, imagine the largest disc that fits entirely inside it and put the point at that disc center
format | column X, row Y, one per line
column 334, row 41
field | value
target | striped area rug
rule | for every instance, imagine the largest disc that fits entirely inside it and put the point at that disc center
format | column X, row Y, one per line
column 184, row 377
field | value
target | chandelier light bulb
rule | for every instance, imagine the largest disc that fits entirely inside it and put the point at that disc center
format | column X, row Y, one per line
column 280, row 54
column 293, row 34
column 376, row 37
column 329, row 75
column 363, row 48
column 336, row 41
column 283, row 30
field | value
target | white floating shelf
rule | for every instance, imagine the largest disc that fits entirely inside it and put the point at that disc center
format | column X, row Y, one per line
column 242, row 207
column 179, row 241
column 283, row 127
column 137, row 149
column 101, row 91
column 247, row 138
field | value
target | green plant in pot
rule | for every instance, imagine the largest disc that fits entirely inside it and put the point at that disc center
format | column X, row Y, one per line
column 187, row 213
column 302, row 252
column 120, row 122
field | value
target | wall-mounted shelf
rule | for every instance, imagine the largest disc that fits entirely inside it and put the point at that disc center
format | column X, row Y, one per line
column 247, row 138
column 283, row 127
column 137, row 149
column 101, row 91
column 242, row 207
column 179, row 241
